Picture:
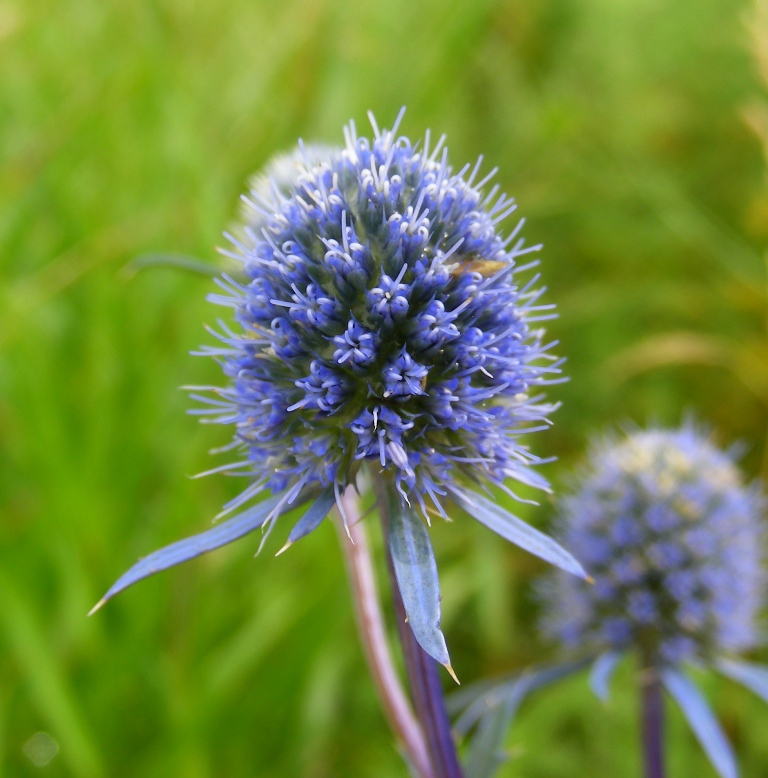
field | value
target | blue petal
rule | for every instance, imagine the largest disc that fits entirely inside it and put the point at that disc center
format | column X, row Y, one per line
column 515, row 530
column 702, row 721
column 416, row 574
column 601, row 673
column 182, row 550
column 315, row 514
column 753, row 676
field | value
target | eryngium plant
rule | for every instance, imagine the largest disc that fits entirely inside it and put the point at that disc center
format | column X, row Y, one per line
column 379, row 322
column 675, row 541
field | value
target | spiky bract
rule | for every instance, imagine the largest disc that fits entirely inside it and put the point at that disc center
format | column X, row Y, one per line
column 380, row 320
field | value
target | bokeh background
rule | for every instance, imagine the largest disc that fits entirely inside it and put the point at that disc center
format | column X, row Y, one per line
column 628, row 130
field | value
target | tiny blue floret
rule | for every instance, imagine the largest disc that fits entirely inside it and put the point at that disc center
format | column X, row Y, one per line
column 380, row 320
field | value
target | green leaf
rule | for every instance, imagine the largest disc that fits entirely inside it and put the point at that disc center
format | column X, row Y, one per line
column 485, row 754
column 496, row 710
column 480, row 697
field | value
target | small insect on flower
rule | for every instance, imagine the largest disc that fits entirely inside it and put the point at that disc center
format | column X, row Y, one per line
column 379, row 323
column 482, row 267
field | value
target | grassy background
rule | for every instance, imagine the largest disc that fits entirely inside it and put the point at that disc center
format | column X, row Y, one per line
column 130, row 127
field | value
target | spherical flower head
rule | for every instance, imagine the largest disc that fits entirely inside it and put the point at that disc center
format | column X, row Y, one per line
column 381, row 321
column 673, row 539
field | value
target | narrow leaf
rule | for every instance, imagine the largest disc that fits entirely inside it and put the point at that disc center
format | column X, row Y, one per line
column 182, row 550
column 754, row 677
column 416, row 574
column 527, row 475
column 479, row 698
column 311, row 520
column 601, row 673
column 486, row 753
column 516, row 531
column 702, row 721
column 468, row 695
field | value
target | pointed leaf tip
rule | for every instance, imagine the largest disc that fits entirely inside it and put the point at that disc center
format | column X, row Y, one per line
column 96, row 607
column 451, row 672
column 287, row 545
column 183, row 550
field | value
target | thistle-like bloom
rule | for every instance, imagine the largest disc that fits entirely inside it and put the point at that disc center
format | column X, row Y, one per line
column 673, row 539
column 379, row 321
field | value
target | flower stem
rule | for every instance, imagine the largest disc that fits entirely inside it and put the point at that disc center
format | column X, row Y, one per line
column 652, row 715
column 370, row 624
column 424, row 677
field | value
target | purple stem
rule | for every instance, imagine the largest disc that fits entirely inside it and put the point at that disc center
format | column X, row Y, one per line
column 652, row 715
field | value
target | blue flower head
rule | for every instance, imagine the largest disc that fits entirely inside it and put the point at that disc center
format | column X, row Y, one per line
column 380, row 320
column 673, row 538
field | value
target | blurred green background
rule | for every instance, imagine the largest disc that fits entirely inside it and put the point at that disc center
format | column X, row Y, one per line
column 130, row 126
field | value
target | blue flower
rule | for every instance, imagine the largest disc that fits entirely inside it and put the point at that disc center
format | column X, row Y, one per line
column 673, row 539
column 381, row 312
column 380, row 322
